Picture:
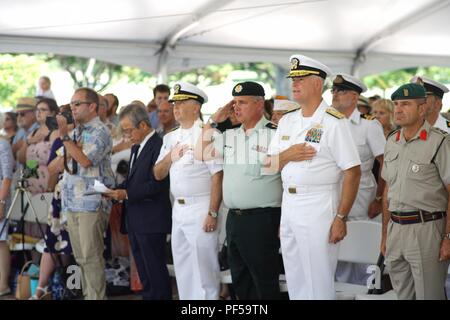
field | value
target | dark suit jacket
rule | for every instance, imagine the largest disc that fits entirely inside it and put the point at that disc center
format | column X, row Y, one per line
column 148, row 208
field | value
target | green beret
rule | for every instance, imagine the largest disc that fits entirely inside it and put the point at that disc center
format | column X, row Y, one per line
column 248, row 89
column 409, row 91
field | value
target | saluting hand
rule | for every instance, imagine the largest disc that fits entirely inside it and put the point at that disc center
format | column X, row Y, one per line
column 223, row 113
column 300, row 152
column 338, row 230
column 444, row 253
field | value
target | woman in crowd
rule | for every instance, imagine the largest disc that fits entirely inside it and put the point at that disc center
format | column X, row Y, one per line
column 10, row 126
column 383, row 110
column 6, row 173
column 57, row 249
column 38, row 145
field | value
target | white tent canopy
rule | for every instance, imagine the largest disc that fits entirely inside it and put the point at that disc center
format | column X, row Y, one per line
column 161, row 37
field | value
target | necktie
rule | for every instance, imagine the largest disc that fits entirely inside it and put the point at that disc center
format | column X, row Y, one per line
column 134, row 152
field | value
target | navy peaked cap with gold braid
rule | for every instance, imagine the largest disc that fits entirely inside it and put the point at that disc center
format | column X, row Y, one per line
column 185, row 91
column 303, row 66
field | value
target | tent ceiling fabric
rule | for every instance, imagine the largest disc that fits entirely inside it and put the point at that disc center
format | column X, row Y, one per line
column 357, row 36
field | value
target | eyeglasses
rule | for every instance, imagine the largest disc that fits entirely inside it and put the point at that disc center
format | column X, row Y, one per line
column 23, row 113
column 128, row 131
column 338, row 91
column 79, row 103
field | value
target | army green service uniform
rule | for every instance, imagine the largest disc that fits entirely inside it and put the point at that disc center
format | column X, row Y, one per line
column 254, row 200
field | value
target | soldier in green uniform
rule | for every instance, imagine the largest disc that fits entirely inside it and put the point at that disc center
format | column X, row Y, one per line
column 416, row 224
column 253, row 197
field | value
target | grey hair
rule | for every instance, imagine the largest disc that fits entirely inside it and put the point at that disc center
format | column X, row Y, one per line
column 136, row 114
column 258, row 98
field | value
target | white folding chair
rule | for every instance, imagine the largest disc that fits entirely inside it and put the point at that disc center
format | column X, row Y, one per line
column 361, row 245
column 226, row 278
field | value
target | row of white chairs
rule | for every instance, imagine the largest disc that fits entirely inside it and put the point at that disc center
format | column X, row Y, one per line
column 352, row 249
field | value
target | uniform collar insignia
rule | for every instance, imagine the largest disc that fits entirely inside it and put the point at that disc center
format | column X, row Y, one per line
column 423, row 135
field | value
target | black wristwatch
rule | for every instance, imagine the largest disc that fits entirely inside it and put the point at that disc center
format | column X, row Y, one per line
column 212, row 123
column 66, row 138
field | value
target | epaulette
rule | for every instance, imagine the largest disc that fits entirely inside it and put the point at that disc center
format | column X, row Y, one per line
column 392, row 133
column 439, row 130
column 368, row 116
column 335, row 113
column 291, row 111
column 174, row 128
column 271, row 125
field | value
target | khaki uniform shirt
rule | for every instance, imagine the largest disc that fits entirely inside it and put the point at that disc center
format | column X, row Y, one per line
column 417, row 171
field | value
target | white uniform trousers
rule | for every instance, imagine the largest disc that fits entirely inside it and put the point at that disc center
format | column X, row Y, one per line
column 309, row 259
column 195, row 252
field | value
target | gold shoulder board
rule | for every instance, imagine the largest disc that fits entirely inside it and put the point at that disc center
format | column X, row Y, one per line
column 335, row 113
column 368, row 116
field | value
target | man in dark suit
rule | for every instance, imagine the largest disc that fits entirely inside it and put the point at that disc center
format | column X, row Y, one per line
column 148, row 209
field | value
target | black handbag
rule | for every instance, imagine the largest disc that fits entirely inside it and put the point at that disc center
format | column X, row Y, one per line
column 385, row 282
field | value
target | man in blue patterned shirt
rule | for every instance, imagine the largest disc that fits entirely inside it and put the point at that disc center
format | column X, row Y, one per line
column 87, row 152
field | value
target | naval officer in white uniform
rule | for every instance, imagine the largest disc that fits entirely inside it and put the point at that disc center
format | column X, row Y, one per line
column 435, row 93
column 369, row 138
column 320, row 171
column 196, row 187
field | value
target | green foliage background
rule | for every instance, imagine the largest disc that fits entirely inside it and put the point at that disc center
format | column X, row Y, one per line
column 19, row 73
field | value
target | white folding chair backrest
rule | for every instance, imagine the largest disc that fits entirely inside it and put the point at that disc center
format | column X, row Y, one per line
column 362, row 243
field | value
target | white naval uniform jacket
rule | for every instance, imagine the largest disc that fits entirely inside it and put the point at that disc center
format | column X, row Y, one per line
column 330, row 136
column 370, row 141
column 188, row 177
column 442, row 124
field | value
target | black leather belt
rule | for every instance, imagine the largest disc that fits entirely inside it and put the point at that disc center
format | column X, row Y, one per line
column 240, row 212
column 416, row 216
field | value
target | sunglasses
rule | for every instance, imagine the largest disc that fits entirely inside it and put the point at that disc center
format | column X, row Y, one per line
column 338, row 90
column 23, row 113
column 79, row 103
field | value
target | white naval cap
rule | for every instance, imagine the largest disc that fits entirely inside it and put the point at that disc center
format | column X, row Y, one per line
column 348, row 82
column 432, row 87
column 185, row 91
column 281, row 103
column 303, row 66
